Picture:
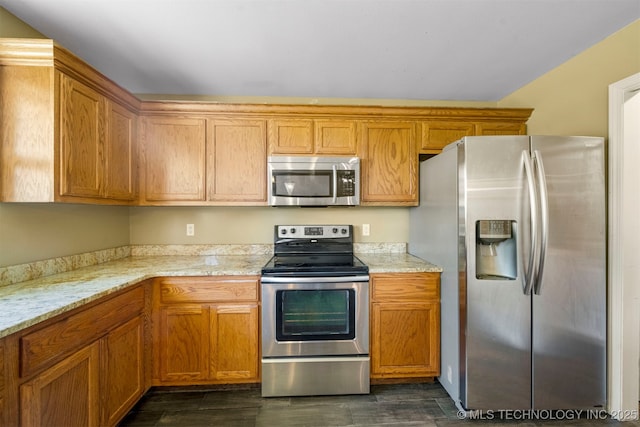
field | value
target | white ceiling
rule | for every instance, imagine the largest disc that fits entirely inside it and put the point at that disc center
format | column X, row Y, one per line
column 463, row 50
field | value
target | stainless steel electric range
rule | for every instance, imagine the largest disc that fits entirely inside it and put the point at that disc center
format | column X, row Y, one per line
column 315, row 314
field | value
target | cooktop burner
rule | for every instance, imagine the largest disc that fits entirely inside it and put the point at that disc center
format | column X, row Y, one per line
column 314, row 250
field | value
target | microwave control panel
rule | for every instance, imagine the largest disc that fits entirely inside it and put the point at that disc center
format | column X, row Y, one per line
column 346, row 183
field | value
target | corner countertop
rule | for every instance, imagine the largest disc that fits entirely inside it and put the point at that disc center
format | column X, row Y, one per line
column 26, row 303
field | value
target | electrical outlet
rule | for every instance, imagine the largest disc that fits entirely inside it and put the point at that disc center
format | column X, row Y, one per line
column 366, row 229
column 191, row 230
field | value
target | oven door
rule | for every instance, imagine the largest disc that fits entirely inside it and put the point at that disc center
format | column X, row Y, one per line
column 315, row 316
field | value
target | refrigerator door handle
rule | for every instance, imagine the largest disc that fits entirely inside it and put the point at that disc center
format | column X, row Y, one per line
column 544, row 220
column 529, row 274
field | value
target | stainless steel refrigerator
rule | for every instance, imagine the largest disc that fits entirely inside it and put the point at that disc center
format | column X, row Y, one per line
column 518, row 225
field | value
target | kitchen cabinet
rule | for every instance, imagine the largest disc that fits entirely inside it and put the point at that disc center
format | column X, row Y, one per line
column 237, row 161
column 206, row 330
column 83, row 368
column 66, row 394
column 290, row 137
column 405, row 326
column 121, row 157
column 2, row 383
column 327, row 137
column 437, row 134
column 81, row 149
column 200, row 161
column 336, row 137
column 84, row 146
column 172, row 159
column 500, row 128
column 97, row 144
column 122, row 370
column 82, row 132
column 389, row 163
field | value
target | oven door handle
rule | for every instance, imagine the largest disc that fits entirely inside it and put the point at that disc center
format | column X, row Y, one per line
column 324, row 279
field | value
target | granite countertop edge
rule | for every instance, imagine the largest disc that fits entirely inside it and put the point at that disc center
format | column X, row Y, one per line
column 28, row 303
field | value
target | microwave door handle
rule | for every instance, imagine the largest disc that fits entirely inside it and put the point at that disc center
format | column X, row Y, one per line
column 335, row 184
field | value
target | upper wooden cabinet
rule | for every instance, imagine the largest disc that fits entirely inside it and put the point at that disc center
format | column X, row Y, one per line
column 312, row 137
column 195, row 160
column 237, row 161
column 291, row 136
column 172, row 159
column 68, row 133
column 500, row 128
column 336, row 137
column 389, row 163
column 121, row 157
column 437, row 134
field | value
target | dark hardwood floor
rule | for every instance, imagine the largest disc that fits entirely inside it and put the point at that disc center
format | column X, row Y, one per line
column 387, row 405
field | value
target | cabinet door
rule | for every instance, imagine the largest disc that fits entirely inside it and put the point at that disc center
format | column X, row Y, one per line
column 435, row 135
column 234, row 342
column 335, row 137
column 121, row 155
column 173, row 159
column 236, row 162
column 499, row 128
column 290, row 136
column 66, row 394
column 3, row 421
column 82, row 136
column 122, row 376
column 406, row 340
column 389, row 163
column 184, row 345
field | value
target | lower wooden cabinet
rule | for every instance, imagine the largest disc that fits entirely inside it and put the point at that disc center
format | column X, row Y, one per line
column 206, row 330
column 65, row 394
column 405, row 325
column 2, row 383
column 84, row 368
column 122, row 373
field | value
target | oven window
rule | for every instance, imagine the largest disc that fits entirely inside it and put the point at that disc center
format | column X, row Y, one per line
column 313, row 315
column 302, row 183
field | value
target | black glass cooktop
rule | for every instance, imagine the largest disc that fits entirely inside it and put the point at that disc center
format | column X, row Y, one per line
column 314, row 265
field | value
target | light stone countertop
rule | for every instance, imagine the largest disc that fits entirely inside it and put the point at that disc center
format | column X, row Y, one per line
column 26, row 303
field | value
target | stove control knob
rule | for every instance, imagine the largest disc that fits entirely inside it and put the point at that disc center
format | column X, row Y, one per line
column 293, row 231
column 334, row 230
column 344, row 231
column 283, row 231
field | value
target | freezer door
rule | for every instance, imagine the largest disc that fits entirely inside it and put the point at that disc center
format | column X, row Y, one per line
column 495, row 314
column 569, row 313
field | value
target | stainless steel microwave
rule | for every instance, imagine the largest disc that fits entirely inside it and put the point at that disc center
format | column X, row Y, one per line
column 313, row 181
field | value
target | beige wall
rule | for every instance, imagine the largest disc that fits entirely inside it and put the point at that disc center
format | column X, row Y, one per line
column 161, row 225
column 32, row 231
column 568, row 100
column 11, row 26
column 573, row 98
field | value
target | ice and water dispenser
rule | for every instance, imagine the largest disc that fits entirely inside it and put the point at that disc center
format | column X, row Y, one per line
column 496, row 257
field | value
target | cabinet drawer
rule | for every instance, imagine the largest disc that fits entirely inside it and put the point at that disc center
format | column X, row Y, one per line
column 208, row 289
column 51, row 343
column 405, row 287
